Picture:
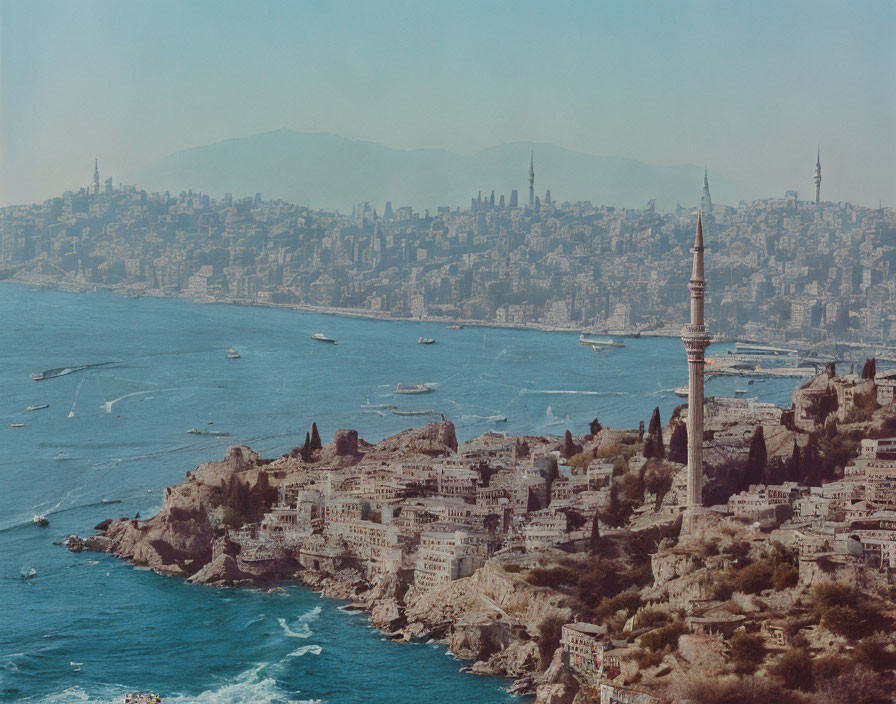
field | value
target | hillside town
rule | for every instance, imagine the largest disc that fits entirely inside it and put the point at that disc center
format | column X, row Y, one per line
column 563, row 561
column 784, row 269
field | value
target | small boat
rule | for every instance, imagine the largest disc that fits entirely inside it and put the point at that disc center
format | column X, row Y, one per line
column 76, row 666
column 38, row 407
column 414, row 389
column 62, row 371
column 40, row 520
column 232, row 354
column 368, row 404
column 111, row 501
column 16, row 425
column 320, row 337
column 740, row 392
column 681, row 391
column 599, row 344
column 425, row 341
column 418, row 413
column 213, row 433
column 27, row 574
column 454, row 327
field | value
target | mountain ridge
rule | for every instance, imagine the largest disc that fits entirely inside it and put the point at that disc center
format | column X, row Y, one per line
column 333, row 172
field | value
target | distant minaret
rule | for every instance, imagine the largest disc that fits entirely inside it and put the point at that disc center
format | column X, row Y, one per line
column 696, row 340
column 817, row 178
column 532, row 179
column 705, row 200
column 96, row 177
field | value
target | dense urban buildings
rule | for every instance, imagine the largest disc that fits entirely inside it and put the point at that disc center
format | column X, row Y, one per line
column 784, row 269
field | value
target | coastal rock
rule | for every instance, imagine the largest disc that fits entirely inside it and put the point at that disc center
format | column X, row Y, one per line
column 557, row 693
column 94, row 543
column 222, row 571
column 432, row 439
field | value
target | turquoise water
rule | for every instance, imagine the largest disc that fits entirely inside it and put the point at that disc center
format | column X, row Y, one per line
column 132, row 629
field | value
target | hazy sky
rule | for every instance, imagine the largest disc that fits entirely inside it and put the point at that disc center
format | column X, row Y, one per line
column 750, row 88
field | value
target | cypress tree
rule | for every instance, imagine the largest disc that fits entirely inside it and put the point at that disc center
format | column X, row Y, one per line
column 569, row 447
column 594, row 543
column 757, row 460
column 596, row 427
column 869, row 371
column 678, row 443
column 306, row 448
column 655, row 430
column 649, row 447
column 315, row 438
column 655, row 425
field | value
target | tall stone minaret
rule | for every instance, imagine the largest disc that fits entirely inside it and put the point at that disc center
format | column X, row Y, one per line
column 532, row 179
column 817, row 178
column 705, row 199
column 696, row 340
column 96, row 177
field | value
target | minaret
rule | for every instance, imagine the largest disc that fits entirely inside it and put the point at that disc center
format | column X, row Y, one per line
column 705, row 200
column 96, row 177
column 532, row 179
column 696, row 340
column 817, row 178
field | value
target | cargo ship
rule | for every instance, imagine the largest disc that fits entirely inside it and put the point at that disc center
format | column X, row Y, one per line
column 320, row 337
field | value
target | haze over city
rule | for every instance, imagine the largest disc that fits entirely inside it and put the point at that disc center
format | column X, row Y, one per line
column 750, row 91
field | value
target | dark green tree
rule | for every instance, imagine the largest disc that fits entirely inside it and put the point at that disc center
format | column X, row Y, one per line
column 306, row 448
column 596, row 427
column 678, row 443
column 315, row 438
column 757, row 459
column 869, row 371
column 594, row 542
column 569, row 447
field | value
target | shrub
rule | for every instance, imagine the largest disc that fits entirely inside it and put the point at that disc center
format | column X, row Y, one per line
column 702, row 689
column 754, row 578
column 648, row 658
column 580, row 460
column 626, row 601
column 651, row 618
column 794, row 669
column 830, row 594
column 830, row 667
column 512, row 567
column 872, row 652
column 553, row 577
column 747, row 652
column 664, row 637
column 785, row 577
column 549, row 632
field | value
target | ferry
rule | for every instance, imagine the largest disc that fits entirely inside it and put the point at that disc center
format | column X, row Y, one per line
column 111, row 501
column 62, row 371
column 599, row 344
column 419, row 413
column 320, row 337
column 213, row 433
column 16, row 425
column 232, row 354
column 740, row 392
column 425, row 341
column 415, row 389
column 38, row 407
column 681, row 391
column 40, row 520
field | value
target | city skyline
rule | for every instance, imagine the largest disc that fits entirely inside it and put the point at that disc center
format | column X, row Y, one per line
column 740, row 89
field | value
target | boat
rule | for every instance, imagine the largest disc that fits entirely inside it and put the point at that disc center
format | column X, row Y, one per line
column 599, row 344
column 320, row 337
column 27, row 574
column 425, row 341
column 62, row 371
column 16, row 425
column 76, row 666
column 415, row 389
column 213, row 433
column 681, row 391
column 38, row 407
column 740, row 392
column 430, row 412
column 111, row 501
column 232, row 354
column 454, row 327
column 40, row 520
column 368, row 404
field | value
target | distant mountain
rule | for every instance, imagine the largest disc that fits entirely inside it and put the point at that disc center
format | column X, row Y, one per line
column 327, row 171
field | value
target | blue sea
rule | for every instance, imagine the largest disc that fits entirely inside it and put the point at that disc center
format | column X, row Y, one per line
column 129, row 629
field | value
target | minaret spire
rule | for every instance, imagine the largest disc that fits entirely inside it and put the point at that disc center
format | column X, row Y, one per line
column 817, row 178
column 696, row 340
column 705, row 199
column 532, row 179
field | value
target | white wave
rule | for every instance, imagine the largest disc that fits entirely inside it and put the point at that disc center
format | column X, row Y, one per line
column 300, row 628
column 299, row 652
column 249, row 687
